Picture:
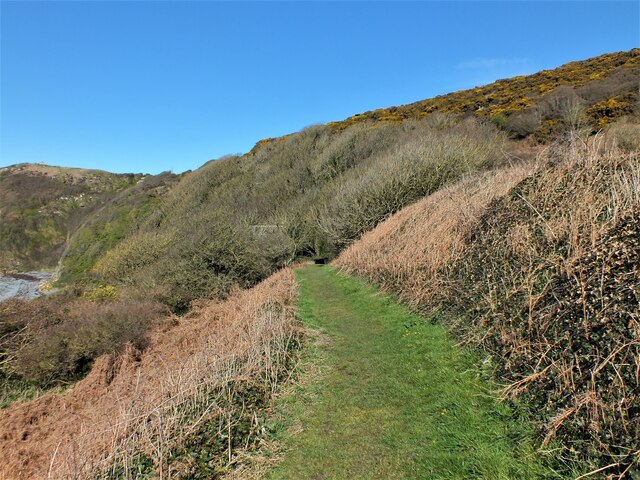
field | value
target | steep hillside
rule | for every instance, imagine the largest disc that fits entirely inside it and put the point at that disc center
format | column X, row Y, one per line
column 41, row 206
column 540, row 271
column 313, row 192
column 604, row 88
column 118, row 217
column 237, row 219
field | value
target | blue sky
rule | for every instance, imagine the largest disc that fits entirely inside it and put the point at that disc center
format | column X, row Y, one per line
column 150, row 86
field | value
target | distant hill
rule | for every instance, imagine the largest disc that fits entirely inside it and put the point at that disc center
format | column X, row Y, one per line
column 41, row 206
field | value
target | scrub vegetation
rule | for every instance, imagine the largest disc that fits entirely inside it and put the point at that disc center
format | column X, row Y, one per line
column 593, row 92
column 191, row 405
column 236, row 220
column 40, row 206
column 506, row 216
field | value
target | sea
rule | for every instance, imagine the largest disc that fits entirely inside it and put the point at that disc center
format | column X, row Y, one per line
column 22, row 285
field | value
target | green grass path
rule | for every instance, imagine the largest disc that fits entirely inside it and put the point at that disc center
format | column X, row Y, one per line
column 395, row 398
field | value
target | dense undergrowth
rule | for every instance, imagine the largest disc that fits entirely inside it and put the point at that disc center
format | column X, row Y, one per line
column 54, row 340
column 191, row 405
column 236, row 220
column 541, row 274
column 118, row 218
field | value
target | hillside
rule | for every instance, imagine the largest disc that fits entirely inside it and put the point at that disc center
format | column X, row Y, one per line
column 606, row 87
column 237, row 219
column 592, row 93
column 41, row 206
column 511, row 228
column 114, row 220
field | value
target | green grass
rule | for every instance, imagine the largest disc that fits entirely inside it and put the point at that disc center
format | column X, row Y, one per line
column 390, row 395
column 13, row 390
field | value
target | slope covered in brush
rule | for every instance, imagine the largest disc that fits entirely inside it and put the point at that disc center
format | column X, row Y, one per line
column 238, row 218
column 40, row 206
column 114, row 220
column 605, row 87
column 541, row 274
column 187, row 406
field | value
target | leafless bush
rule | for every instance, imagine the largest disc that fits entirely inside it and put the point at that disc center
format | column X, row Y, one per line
column 53, row 340
column 523, row 124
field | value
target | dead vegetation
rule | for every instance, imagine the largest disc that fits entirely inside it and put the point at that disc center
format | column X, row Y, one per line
column 54, row 340
column 544, row 278
column 406, row 253
column 202, row 385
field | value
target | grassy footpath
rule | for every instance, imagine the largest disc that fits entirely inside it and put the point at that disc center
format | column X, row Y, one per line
column 395, row 398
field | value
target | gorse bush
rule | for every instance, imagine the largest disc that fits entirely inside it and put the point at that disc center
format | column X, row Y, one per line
column 596, row 80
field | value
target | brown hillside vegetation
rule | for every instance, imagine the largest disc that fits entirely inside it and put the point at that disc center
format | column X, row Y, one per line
column 205, row 379
column 405, row 253
column 543, row 276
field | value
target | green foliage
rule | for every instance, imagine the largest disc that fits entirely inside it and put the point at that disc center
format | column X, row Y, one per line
column 112, row 223
column 499, row 121
column 40, row 206
column 101, row 293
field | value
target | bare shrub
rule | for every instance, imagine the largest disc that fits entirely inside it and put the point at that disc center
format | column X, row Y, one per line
column 415, row 169
column 565, row 104
column 53, row 340
column 625, row 135
column 523, row 124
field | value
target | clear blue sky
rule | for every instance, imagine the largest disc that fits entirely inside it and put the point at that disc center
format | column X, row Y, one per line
column 150, row 86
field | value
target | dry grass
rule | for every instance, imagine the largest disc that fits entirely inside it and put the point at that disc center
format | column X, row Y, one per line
column 406, row 253
column 146, row 405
